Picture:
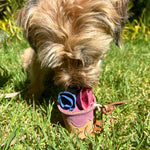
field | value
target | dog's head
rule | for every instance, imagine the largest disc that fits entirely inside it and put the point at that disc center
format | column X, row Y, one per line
column 71, row 36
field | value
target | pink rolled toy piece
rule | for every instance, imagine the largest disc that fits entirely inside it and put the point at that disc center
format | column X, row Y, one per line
column 85, row 98
column 79, row 121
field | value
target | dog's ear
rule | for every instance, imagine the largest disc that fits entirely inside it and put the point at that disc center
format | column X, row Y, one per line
column 121, row 7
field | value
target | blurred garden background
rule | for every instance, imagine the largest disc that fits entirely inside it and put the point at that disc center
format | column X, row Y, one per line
column 139, row 18
column 125, row 76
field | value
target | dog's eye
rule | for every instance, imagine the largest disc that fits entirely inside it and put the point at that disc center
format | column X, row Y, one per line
column 83, row 49
column 88, row 61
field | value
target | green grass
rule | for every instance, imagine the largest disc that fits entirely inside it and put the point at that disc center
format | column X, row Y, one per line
column 125, row 76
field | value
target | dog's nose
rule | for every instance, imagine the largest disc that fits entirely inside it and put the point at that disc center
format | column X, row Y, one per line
column 74, row 89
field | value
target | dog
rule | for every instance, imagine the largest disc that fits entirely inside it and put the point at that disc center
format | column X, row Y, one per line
column 68, row 39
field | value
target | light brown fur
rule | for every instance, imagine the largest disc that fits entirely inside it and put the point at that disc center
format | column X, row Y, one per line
column 68, row 38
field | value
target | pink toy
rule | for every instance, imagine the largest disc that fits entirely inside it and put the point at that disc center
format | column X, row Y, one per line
column 80, row 119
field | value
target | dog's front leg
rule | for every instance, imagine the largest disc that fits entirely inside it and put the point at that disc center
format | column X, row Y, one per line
column 36, row 73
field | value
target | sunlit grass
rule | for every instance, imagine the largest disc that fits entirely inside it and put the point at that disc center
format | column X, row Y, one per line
column 125, row 76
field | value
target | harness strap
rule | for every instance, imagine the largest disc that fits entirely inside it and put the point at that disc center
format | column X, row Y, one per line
column 105, row 109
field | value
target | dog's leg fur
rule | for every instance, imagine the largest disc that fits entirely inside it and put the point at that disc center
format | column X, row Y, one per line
column 36, row 73
column 27, row 58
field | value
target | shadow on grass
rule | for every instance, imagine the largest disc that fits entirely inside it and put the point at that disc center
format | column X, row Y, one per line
column 48, row 97
column 4, row 77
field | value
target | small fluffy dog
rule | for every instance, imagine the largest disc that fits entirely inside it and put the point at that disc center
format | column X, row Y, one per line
column 68, row 39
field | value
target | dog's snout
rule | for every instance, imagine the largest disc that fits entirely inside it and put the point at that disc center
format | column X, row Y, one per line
column 74, row 89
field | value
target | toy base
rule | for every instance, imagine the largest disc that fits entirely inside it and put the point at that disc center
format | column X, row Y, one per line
column 82, row 131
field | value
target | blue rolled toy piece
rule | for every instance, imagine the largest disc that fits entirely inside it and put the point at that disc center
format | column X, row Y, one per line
column 67, row 100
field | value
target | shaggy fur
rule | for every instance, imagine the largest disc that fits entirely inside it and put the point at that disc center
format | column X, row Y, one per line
column 68, row 39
